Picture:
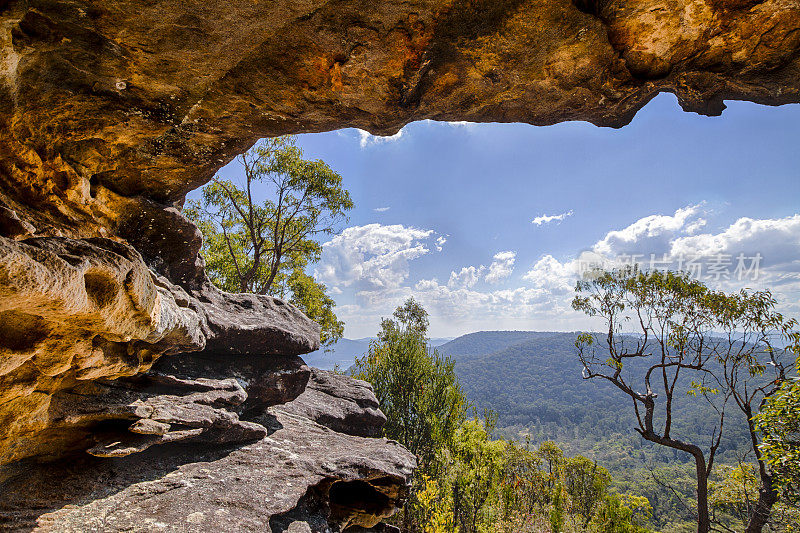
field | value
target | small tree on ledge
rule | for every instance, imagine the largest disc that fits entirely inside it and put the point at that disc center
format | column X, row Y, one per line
column 264, row 247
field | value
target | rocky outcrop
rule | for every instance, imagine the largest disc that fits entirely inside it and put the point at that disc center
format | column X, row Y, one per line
column 340, row 403
column 75, row 311
column 188, row 470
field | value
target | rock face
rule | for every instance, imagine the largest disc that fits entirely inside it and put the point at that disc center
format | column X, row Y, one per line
column 110, row 111
column 191, row 403
column 299, row 472
column 74, row 311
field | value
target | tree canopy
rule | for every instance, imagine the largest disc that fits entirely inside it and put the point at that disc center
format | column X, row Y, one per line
column 261, row 234
column 467, row 480
column 723, row 344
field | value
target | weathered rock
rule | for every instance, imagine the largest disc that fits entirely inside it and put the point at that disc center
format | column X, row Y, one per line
column 341, row 403
column 266, row 380
column 12, row 226
column 73, row 311
column 301, row 475
column 253, row 324
column 110, row 111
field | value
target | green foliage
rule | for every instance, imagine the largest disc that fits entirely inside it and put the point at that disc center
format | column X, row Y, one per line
column 545, row 398
column 586, row 483
column 264, row 246
column 435, row 506
column 476, row 463
column 311, row 297
column 484, row 485
column 735, row 493
column 416, row 387
column 621, row 514
column 468, row 481
column 722, row 343
column 779, row 424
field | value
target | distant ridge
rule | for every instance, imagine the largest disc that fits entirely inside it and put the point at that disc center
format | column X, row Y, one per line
column 345, row 352
column 486, row 342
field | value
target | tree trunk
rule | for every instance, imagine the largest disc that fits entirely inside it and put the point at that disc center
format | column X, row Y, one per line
column 767, row 496
column 703, row 519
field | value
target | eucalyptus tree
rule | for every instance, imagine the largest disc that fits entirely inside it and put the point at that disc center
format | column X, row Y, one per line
column 779, row 424
column 261, row 232
column 690, row 341
column 416, row 386
column 417, row 390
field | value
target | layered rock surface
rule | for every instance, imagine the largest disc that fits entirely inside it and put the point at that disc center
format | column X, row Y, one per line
column 74, row 311
column 173, row 452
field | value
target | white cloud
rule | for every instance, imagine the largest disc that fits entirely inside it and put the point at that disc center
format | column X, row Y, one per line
column 546, row 219
column 373, row 266
column 695, row 226
column 502, row 266
column 651, row 234
column 371, row 257
column 461, row 124
column 381, row 209
column 466, row 278
column 490, row 308
column 776, row 239
column 368, row 139
column 721, row 259
column 550, row 274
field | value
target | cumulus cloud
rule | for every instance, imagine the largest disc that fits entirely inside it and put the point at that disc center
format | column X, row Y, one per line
column 371, row 257
column 695, row 226
column 546, row 219
column 381, row 209
column 651, row 234
column 367, row 139
column 502, row 266
column 466, row 278
column 550, row 274
column 461, row 303
column 749, row 252
column 776, row 239
column 374, row 264
column 670, row 241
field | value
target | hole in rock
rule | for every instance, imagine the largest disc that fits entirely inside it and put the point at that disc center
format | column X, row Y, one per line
column 100, row 287
column 20, row 331
column 590, row 7
column 93, row 182
column 357, row 495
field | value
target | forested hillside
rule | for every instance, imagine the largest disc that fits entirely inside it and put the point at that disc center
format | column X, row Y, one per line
column 532, row 380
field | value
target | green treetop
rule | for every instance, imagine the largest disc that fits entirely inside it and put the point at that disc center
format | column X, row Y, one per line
column 265, row 246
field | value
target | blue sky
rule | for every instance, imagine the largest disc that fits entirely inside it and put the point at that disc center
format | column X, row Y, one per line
column 446, row 211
